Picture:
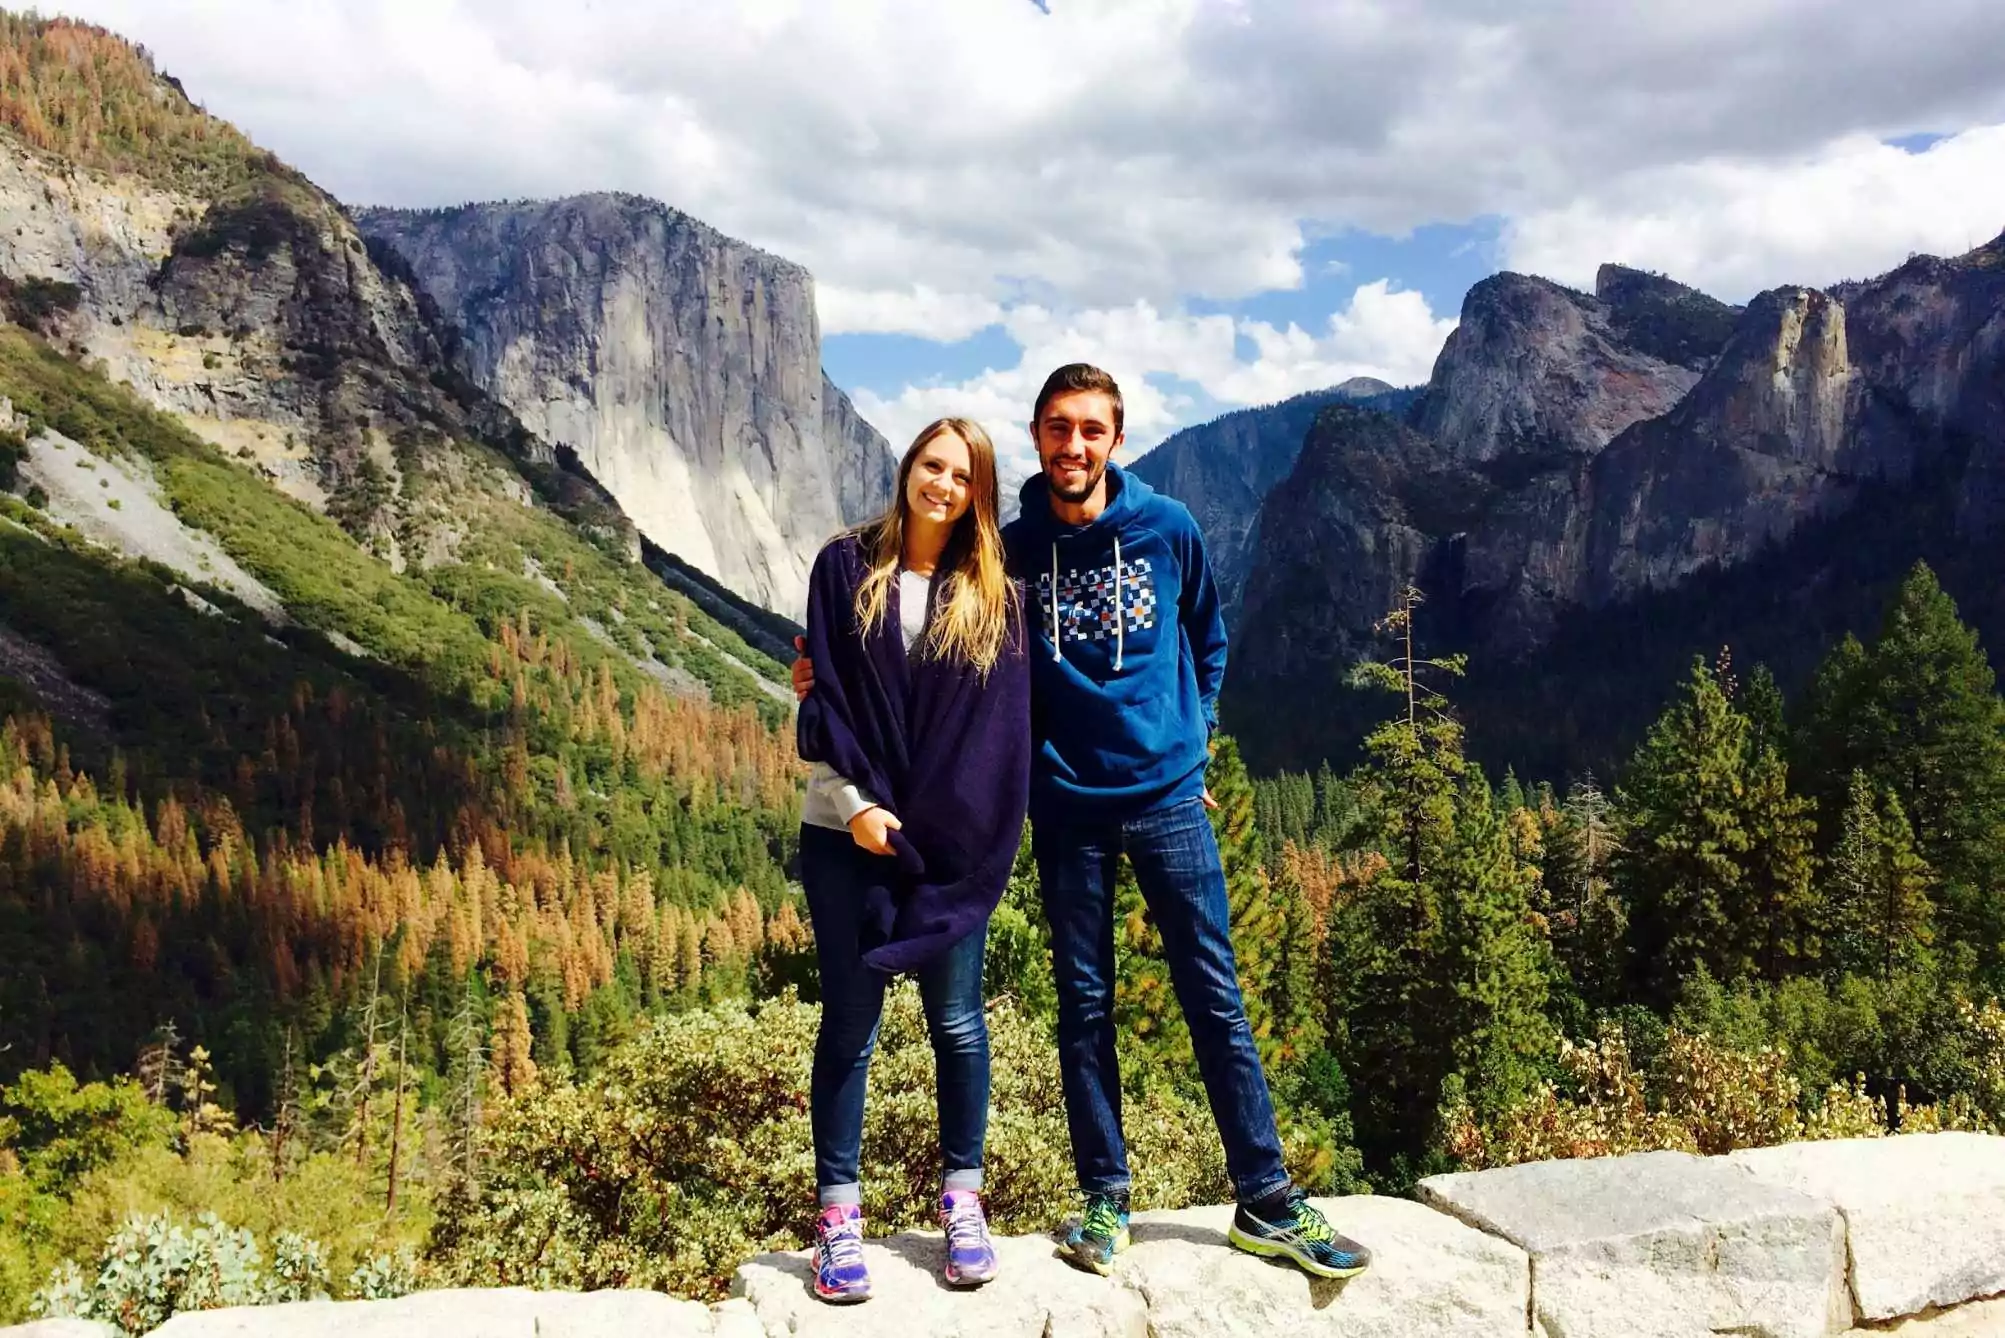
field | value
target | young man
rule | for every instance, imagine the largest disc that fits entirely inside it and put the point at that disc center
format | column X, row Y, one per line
column 1125, row 674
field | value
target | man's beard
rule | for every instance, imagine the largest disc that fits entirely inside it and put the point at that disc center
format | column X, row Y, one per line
column 1074, row 497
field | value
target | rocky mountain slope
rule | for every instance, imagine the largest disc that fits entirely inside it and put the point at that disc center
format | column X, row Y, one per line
column 237, row 296
column 1224, row 468
column 1576, row 458
column 683, row 367
column 159, row 247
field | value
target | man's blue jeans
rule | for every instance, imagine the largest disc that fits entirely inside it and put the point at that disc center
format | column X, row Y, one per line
column 834, row 872
column 1177, row 865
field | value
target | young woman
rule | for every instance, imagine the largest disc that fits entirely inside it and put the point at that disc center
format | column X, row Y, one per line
column 919, row 728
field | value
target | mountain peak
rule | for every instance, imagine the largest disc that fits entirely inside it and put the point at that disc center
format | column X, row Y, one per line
column 1668, row 320
column 1539, row 370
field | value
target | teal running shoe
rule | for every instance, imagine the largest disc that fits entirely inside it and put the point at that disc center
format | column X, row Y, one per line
column 1100, row 1234
column 1302, row 1236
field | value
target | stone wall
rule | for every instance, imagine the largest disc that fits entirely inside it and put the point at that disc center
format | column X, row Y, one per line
column 1899, row 1235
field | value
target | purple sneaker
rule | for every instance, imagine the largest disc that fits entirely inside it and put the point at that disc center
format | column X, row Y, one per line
column 840, row 1275
column 971, row 1255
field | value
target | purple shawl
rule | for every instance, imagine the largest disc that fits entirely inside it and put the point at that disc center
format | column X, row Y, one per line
column 947, row 752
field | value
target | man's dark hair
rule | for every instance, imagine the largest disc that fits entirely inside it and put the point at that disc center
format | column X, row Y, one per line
column 1076, row 376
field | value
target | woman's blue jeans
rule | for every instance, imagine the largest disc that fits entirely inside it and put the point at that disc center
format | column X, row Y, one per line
column 834, row 872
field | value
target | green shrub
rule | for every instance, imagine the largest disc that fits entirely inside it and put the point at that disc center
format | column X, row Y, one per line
column 1697, row 1096
column 381, row 1277
column 35, row 302
column 13, row 449
column 58, row 1131
column 152, row 1269
column 324, row 1197
column 79, row 1162
column 299, row 1269
column 689, row 1151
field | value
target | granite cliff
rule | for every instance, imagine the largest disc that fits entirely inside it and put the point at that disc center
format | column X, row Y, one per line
column 183, row 263
column 1224, row 468
column 1581, row 467
column 683, row 368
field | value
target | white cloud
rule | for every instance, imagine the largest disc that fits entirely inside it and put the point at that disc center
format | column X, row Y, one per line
column 1391, row 335
column 945, row 317
column 1105, row 153
column 1850, row 211
column 1385, row 333
column 1084, row 175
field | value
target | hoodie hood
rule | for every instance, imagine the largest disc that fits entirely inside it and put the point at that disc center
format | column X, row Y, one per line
column 1127, row 497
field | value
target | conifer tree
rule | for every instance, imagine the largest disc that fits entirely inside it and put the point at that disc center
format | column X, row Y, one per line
column 466, row 1087
column 1510, row 795
column 1829, row 744
column 1298, row 1030
column 1778, row 911
column 1682, row 866
column 1587, row 921
column 1493, row 959
column 514, row 1069
column 1258, row 918
column 1335, row 809
column 1879, row 910
column 1761, row 702
column 1383, row 952
column 1932, row 730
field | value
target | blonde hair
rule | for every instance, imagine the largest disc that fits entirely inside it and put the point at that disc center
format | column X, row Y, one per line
column 974, row 603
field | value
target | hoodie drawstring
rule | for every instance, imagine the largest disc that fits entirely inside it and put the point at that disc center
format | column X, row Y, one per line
column 1120, row 614
column 1057, row 631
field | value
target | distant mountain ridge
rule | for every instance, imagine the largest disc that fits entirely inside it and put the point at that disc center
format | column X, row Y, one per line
column 1575, row 457
column 1222, row 470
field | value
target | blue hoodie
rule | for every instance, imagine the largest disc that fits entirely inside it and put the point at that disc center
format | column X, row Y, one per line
column 1130, row 653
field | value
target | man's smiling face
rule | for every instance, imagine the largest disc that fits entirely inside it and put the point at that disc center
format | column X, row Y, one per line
column 1075, row 437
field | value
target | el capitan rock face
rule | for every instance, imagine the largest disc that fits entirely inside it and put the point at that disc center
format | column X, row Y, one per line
column 682, row 366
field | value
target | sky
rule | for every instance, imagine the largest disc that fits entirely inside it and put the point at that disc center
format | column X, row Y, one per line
column 1224, row 202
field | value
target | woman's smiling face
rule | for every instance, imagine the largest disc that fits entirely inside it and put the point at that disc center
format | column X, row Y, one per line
column 941, row 485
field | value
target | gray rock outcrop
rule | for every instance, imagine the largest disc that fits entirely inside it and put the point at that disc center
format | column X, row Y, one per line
column 1780, row 1241
column 1538, row 370
column 1435, row 1276
column 1925, row 1214
column 1661, row 1245
column 683, row 367
column 1223, row 469
column 259, row 319
column 502, row 1312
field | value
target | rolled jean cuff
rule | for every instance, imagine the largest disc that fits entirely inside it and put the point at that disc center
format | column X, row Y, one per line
column 840, row 1196
column 1267, row 1191
column 1107, row 1187
column 967, row 1179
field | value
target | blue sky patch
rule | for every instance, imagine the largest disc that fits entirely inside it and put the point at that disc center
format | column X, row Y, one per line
column 1440, row 261
column 1919, row 142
